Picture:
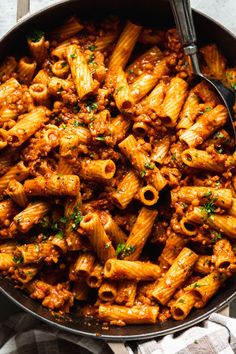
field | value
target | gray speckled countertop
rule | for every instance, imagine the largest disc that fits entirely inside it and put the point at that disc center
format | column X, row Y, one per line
column 224, row 11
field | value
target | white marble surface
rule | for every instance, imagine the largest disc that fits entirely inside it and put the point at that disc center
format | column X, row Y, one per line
column 224, row 11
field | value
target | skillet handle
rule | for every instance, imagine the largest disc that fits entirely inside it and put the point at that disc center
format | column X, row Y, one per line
column 184, row 22
column 118, row 347
column 23, row 8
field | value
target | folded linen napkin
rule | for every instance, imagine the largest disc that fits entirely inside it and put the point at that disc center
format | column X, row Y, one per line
column 24, row 334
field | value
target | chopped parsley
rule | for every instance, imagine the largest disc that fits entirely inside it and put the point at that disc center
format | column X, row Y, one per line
column 181, row 301
column 120, row 89
column 77, row 123
column 77, row 217
column 107, row 245
column 100, row 138
column 92, row 47
column 209, row 207
column 217, row 236
column 18, row 259
column 91, row 106
column 91, row 58
column 63, row 219
column 63, row 126
column 208, row 194
column 120, row 248
column 60, row 235
column 36, row 35
column 173, row 156
column 142, row 173
column 73, row 56
column 233, row 86
column 149, row 165
column 123, row 250
column 219, row 150
column 63, row 64
column 208, row 109
column 197, row 285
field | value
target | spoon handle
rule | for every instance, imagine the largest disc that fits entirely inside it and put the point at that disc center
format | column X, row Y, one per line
column 184, row 22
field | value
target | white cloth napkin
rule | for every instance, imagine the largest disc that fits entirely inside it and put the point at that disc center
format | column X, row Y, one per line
column 24, row 334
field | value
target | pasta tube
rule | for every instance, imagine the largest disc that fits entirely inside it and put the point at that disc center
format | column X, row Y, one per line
column 131, row 315
column 107, row 291
column 122, row 94
column 141, row 162
column 126, row 190
column 81, row 74
column 132, row 270
column 201, row 159
column 175, row 276
column 125, row 45
column 139, row 233
column 97, row 169
column 92, row 225
column 19, row 172
column 53, row 185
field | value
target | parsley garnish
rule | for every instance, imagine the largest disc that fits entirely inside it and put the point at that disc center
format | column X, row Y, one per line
column 209, row 207
column 100, row 138
column 91, row 58
column 219, row 150
column 63, row 64
column 120, row 88
column 63, row 219
column 91, row 106
column 181, row 301
column 92, row 47
column 233, row 86
column 63, row 126
column 77, row 217
column 149, row 165
column 208, row 109
column 73, row 56
column 142, row 173
column 60, row 235
column 107, row 245
column 18, row 259
column 120, row 248
column 208, row 194
column 36, row 35
column 197, row 285
column 125, row 251
column 217, row 236
column 78, row 124
column 173, row 156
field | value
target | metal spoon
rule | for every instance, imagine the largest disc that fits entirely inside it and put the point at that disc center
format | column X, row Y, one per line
column 184, row 22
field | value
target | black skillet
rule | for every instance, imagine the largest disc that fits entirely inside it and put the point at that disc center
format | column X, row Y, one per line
column 152, row 13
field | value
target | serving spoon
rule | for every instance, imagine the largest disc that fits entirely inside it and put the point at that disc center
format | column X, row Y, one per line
column 184, row 22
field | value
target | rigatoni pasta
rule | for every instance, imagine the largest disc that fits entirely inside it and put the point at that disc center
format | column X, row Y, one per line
column 117, row 175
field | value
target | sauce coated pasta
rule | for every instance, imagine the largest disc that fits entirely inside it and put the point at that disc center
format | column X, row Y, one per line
column 117, row 174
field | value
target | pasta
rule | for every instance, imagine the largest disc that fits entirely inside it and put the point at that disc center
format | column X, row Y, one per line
column 117, row 173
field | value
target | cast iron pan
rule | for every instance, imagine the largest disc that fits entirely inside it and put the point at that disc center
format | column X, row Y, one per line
column 149, row 12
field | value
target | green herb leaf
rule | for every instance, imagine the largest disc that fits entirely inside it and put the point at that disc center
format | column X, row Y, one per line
column 208, row 194
column 181, row 301
column 142, row 173
column 77, row 217
column 120, row 88
column 18, row 259
column 173, row 156
column 209, row 207
column 91, row 58
column 208, row 109
column 60, row 235
column 77, row 123
column 92, row 47
column 217, row 236
column 197, row 285
column 36, row 35
column 64, row 219
column 100, row 138
column 233, row 86
column 129, row 250
column 149, row 165
column 63, row 126
column 91, row 106
column 120, row 248
column 64, row 64
column 107, row 245
column 73, row 56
